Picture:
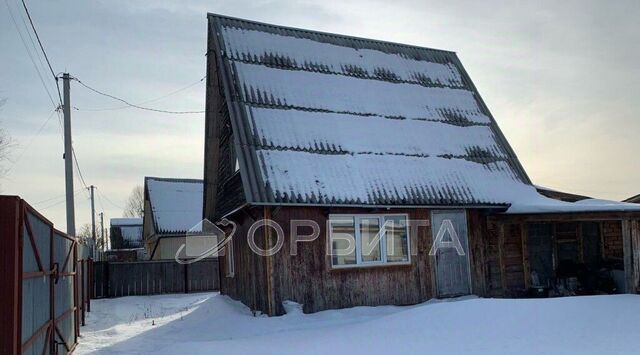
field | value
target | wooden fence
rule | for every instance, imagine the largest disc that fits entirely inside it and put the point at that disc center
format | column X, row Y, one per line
column 42, row 303
column 117, row 279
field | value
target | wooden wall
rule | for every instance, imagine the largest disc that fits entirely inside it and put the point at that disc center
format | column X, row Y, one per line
column 493, row 266
column 248, row 284
column 307, row 278
column 506, row 255
column 612, row 240
column 512, row 257
column 263, row 283
column 498, row 259
column 505, row 259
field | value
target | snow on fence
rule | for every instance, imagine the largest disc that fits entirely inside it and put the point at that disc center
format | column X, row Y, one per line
column 41, row 283
column 117, row 279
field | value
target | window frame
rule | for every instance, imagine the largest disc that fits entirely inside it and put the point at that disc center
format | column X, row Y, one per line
column 358, row 240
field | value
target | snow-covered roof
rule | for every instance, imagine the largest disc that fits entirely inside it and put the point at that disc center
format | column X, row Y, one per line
column 330, row 119
column 326, row 119
column 125, row 221
column 176, row 204
column 529, row 204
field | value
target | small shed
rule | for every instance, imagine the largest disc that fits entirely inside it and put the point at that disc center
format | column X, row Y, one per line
column 172, row 206
column 125, row 233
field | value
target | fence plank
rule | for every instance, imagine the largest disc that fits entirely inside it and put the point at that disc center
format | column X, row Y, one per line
column 154, row 277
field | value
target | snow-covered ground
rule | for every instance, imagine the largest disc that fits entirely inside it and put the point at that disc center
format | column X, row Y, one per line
column 208, row 323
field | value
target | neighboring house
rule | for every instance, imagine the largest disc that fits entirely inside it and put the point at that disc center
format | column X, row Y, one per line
column 354, row 134
column 171, row 208
column 126, row 233
column 634, row 199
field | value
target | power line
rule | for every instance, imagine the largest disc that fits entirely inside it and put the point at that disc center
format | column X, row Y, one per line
column 110, row 202
column 100, row 202
column 54, row 198
column 24, row 150
column 59, row 202
column 133, row 105
column 75, row 159
column 26, row 47
column 146, row 101
column 42, row 48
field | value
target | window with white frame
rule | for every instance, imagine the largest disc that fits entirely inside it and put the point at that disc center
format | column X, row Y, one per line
column 367, row 240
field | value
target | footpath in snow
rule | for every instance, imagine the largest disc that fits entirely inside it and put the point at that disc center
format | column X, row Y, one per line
column 208, row 323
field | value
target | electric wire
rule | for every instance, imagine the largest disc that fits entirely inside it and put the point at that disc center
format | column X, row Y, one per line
column 109, row 201
column 46, row 57
column 33, row 137
column 146, row 101
column 54, row 198
column 26, row 47
column 134, row 105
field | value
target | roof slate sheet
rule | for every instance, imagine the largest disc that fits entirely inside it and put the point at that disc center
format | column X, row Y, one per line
column 321, row 118
column 176, row 204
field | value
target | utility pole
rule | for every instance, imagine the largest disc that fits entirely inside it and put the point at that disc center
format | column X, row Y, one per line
column 93, row 221
column 68, row 157
column 102, row 231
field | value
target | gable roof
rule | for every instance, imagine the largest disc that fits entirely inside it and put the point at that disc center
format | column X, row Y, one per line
column 176, row 204
column 322, row 118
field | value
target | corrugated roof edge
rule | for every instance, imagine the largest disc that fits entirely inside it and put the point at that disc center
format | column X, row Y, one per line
column 502, row 207
column 210, row 14
column 146, row 178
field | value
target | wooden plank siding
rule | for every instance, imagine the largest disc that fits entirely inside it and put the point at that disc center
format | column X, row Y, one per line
column 477, row 241
column 498, row 249
column 493, row 276
column 248, row 283
column 264, row 283
column 307, row 278
column 513, row 261
column 506, row 250
column 635, row 244
column 612, row 240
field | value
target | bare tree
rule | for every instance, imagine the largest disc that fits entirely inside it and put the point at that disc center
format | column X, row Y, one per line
column 84, row 233
column 135, row 203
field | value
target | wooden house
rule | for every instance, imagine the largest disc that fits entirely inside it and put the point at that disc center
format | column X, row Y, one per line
column 172, row 207
column 353, row 133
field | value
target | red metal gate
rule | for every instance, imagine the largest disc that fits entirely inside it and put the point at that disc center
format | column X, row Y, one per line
column 41, row 303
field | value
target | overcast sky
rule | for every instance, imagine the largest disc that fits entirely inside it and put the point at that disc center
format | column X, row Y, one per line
column 560, row 77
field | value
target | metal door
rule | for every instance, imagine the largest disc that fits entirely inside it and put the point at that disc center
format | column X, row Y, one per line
column 452, row 264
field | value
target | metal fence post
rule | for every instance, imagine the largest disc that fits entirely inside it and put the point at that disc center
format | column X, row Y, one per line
column 10, row 278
